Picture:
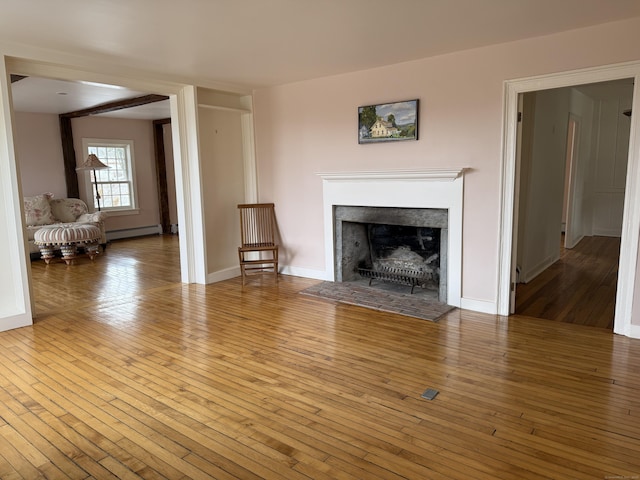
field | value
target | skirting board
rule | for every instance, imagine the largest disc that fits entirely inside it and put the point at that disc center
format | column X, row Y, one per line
column 305, row 273
column 604, row 232
column 634, row 331
column 481, row 306
column 526, row 277
column 134, row 232
column 9, row 322
column 224, row 274
column 233, row 272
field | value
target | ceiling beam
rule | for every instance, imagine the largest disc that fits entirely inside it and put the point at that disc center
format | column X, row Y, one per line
column 116, row 105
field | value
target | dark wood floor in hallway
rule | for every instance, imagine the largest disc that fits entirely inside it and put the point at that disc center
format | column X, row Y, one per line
column 579, row 288
column 128, row 373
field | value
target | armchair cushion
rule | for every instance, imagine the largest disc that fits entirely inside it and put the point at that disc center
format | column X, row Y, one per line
column 37, row 210
column 67, row 210
column 94, row 217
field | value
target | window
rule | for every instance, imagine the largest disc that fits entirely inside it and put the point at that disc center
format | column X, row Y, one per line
column 115, row 184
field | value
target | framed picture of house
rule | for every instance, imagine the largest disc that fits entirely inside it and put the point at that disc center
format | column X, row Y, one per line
column 388, row 122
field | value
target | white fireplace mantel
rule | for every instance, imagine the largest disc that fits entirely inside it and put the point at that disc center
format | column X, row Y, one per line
column 418, row 188
column 438, row 174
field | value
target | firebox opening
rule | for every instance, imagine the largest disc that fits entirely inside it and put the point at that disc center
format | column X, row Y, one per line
column 396, row 254
column 392, row 247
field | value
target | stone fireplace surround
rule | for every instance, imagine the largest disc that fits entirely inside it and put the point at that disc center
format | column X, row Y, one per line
column 419, row 188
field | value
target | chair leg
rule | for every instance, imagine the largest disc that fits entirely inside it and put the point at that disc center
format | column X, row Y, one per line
column 242, row 272
column 261, row 267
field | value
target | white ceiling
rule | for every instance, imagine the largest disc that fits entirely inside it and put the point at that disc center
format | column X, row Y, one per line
column 254, row 43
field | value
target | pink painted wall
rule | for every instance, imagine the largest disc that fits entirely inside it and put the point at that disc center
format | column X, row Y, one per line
column 309, row 127
column 39, row 154
column 221, row 161
column 141, row 132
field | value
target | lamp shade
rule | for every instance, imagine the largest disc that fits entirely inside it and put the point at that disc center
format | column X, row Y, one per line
column 92, row 163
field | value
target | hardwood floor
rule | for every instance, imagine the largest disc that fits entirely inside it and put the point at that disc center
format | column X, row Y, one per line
column 129, row 374
column 579, row 288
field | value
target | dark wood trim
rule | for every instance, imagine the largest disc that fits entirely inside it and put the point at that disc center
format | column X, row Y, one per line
column 69, row 157
column 161, row 173
column 117, row 105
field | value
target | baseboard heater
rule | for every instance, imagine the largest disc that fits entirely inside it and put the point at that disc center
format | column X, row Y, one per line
column 134, row 232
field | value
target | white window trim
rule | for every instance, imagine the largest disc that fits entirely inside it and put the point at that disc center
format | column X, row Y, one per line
column 88, row 185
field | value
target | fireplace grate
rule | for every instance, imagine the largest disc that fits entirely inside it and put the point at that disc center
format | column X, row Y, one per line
column 400, row 276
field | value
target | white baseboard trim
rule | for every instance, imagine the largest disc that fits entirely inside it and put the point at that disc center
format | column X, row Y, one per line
column 605, row 232
column 224, row 274
column 305, row 273
column 11, row 321
column 634, row 331
column 233, row 272
column 481, row 306
column 526, row 277
column 134, row 232
column 576, row 242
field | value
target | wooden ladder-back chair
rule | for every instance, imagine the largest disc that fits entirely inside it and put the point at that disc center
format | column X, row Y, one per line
column 259, row 251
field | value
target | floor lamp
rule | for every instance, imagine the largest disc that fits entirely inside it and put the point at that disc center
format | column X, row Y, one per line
column 93, row 163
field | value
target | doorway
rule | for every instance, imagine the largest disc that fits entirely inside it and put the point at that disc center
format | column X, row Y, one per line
column 573, row 158
column 631, row 212
column 47, row 155
column 183, row 101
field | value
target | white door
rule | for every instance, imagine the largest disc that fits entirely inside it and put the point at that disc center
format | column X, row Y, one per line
column 575, row 175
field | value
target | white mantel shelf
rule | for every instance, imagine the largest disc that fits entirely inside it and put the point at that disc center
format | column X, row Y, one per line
column 439, row 174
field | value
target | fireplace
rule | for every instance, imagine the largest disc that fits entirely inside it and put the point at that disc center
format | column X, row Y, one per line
column 436, row 193
column 404, row 246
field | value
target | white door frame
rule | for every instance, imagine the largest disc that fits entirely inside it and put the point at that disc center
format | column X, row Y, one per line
column 631, row 216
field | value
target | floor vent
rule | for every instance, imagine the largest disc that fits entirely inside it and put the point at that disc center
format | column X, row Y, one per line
column 429, row 394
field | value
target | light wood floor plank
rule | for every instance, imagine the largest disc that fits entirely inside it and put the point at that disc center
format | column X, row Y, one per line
column 129, row 374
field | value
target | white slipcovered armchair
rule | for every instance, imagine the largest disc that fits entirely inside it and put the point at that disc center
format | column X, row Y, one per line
column 41, row 210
